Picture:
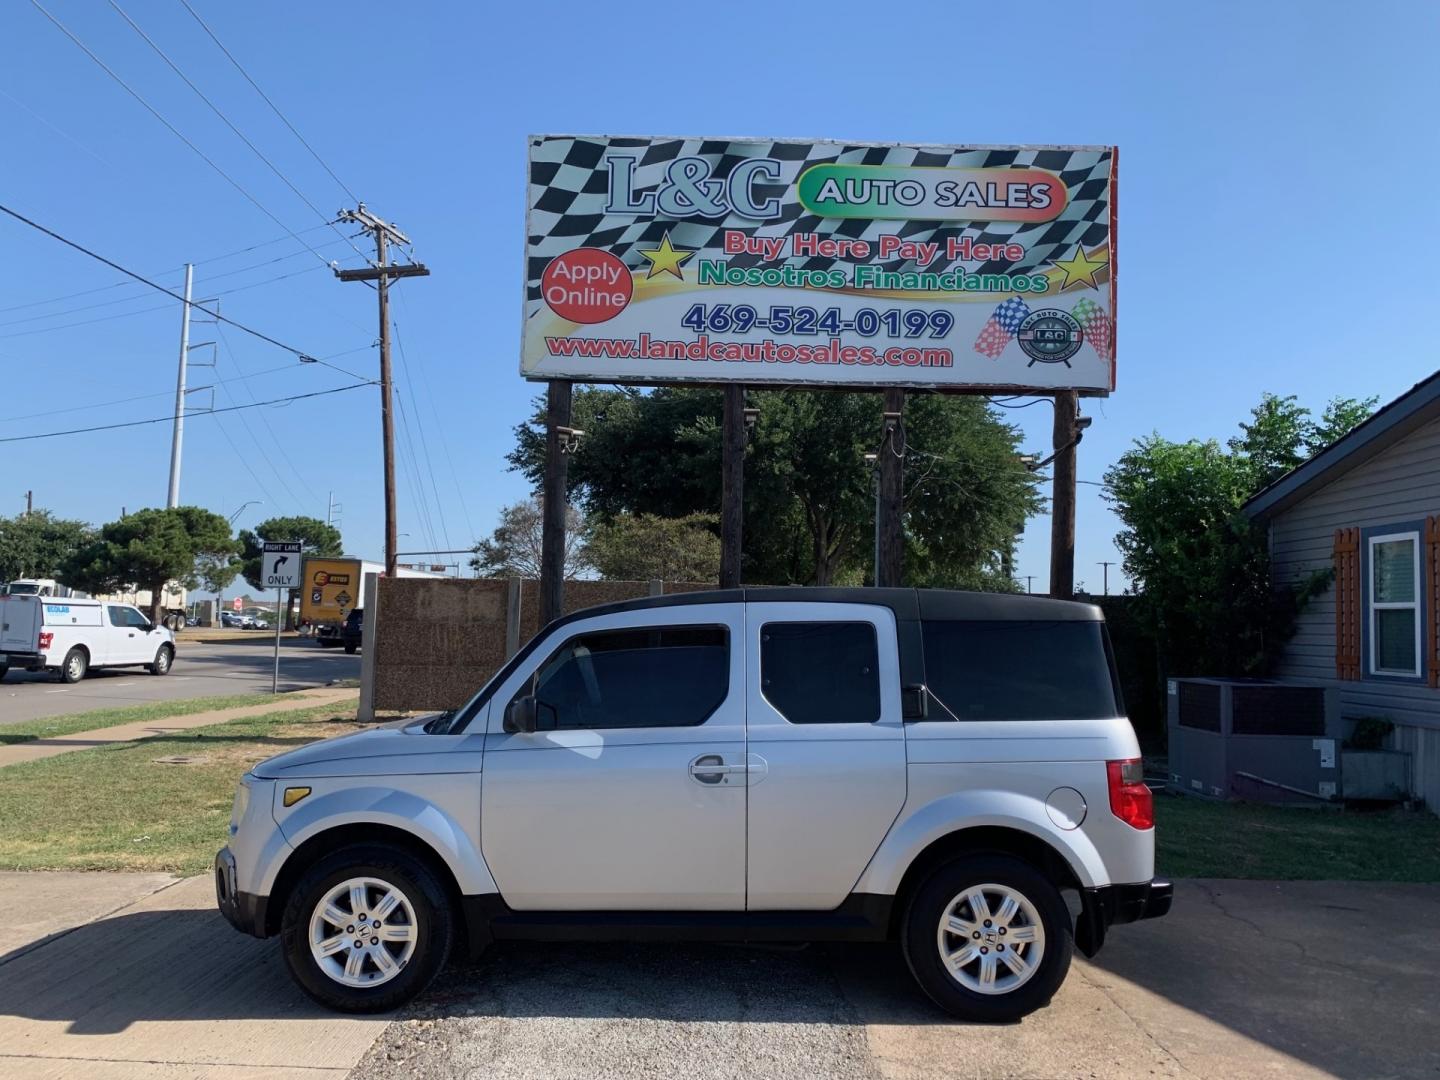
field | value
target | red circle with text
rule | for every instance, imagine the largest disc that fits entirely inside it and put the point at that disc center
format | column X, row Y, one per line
column 587, row 285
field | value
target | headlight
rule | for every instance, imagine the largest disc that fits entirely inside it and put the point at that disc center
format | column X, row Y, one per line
column 242, row 801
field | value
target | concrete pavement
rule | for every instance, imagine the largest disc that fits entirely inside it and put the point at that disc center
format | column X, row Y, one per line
column 160, row 988
column 200, row 670
column 1244, row 980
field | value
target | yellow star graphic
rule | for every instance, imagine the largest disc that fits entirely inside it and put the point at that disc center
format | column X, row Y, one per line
column 665, row 259
column 1080, row 268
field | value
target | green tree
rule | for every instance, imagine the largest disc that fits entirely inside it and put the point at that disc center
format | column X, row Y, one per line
column 809, row 496
column 320, row 539
column 1200, row 567
column 642, row 547
column 513, row 549
column 149, row 548
column 37, row 544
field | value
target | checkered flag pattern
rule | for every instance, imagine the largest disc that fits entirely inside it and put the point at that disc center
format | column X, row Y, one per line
column 1097, row 326
column 569, row 186
column 996, row 333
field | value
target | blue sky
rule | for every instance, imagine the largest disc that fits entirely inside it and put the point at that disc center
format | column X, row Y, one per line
column 1274, row 213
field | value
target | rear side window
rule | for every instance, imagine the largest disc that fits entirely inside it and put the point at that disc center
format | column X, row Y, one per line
column 1020, row 670
column 674, row 676
column 821, row 672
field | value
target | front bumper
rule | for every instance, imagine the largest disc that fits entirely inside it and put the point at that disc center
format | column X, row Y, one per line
column 1109, row 905
column 244, row 911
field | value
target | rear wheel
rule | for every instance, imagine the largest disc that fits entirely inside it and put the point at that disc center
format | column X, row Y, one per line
column 77, row 663
column 988, row 938
column 4, row 670
column 366, row 929
column 350, row 647
column 163, row 658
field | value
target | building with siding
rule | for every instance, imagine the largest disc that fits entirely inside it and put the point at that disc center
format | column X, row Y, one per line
column 1368, row 507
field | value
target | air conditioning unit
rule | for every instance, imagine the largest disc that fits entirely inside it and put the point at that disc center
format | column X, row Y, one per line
column 1254, row 739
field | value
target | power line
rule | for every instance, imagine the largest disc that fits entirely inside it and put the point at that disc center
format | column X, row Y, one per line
column 245, row 380
column 226, row 120
column 439, row 427
column 273, row 107
column 173, row 129
column 424, row 440
column 299, row 353
column 171, row 417
column 127, row 400
column 163, row 307
column 176, row 269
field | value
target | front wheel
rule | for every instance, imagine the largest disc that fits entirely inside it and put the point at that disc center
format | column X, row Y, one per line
column 366, row 929
column 350, row 647
column 988, row 938
column 4, row 670
column 163, row 658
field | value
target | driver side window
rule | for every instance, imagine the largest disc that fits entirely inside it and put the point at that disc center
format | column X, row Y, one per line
column 671, row 676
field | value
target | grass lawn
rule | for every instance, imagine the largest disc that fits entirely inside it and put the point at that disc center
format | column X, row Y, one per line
column 48, row 728
column 161, row 804
column 1238, row 840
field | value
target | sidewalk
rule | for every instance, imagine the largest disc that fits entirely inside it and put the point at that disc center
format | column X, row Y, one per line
column 152, row 983
column 142, row 729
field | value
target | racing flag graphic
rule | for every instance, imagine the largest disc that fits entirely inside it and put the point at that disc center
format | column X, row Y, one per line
column 1096, row 323
column 1004, row 321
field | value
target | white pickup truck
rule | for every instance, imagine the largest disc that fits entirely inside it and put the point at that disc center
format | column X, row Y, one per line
column 70, row 636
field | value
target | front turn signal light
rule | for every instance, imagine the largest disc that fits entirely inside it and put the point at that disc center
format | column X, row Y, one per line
column 294, row 795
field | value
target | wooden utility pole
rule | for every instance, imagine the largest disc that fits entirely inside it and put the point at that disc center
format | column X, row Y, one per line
column 553, row 501
column 1105, row 569
column 889, row 510
column 732, row 486
column 381, row 273
column 1062, row 500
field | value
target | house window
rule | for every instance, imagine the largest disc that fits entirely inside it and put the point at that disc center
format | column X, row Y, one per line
column 1395, row 604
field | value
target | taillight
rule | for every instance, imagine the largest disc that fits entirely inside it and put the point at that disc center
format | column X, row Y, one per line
column 45, row 639
column 1130, row 799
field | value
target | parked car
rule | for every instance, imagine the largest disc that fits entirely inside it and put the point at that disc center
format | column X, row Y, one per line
column 233, row 620
column 932, row 768
column 353, row 630
column 71, row 636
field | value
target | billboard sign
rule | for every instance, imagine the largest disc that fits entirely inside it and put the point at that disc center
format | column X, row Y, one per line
column 654, row 260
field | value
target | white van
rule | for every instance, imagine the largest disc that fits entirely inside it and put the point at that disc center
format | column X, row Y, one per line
column 70, row 636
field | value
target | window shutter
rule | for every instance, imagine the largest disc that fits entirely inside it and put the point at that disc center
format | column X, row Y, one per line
column 1430, row 590
column 1347, row 603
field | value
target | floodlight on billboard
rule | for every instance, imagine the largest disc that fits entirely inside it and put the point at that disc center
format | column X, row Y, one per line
column 657, row 260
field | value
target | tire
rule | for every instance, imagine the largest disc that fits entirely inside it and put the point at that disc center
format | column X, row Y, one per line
column 4, row 670
column 1040, row 915
column 77, row 663
column 424, row 908
column 163, row 659
column 350, row 648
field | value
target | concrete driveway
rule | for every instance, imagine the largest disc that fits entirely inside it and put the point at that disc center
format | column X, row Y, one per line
column 1245, row 979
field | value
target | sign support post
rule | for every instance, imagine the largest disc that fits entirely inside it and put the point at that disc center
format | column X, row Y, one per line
column 732, row 486
column 275, row 678
column 891, row 542
column 553, row 499
column 1066, row 434
column 280, row 569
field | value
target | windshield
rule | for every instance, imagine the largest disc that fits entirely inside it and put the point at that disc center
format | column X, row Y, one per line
column 23, row 588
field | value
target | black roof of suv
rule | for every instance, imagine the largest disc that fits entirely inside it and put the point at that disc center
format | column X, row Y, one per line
column 907, row 604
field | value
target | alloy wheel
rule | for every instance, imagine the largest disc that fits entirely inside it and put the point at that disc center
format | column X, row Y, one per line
column 991, row 939
column 363, row 932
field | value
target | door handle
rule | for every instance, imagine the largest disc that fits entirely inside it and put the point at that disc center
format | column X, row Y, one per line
column 711, row 769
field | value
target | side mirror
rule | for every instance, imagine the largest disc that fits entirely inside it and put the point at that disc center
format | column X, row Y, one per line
column 520, row 715
column 914, row 703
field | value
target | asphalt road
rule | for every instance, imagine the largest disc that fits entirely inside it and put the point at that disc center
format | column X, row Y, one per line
column 200, row 670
